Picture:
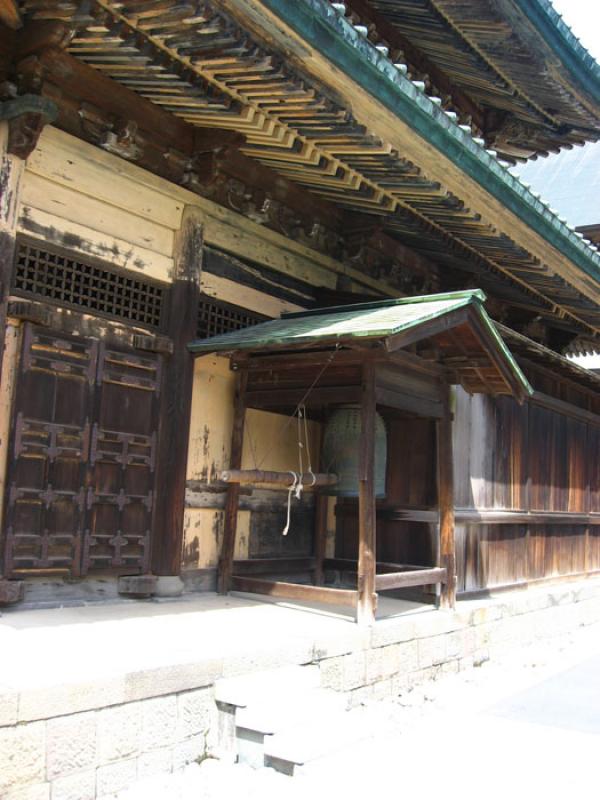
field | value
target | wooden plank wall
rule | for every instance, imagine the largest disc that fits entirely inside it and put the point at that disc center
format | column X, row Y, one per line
column 526, row 460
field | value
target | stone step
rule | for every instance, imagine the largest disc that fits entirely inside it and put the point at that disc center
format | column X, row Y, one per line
column 273, row 714
column 265, row 685
column 323, row 736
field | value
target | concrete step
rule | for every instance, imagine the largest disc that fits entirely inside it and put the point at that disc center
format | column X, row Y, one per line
column 323, row 736
column 267, row 684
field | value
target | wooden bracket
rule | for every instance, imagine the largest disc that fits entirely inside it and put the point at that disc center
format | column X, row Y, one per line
column 26, row 116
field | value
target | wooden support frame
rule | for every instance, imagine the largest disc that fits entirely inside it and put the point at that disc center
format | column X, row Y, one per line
column 445, row 484
column 411, row 577
column 295, row 591
column 367, row 599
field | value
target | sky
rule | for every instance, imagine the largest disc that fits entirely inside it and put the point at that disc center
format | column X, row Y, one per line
column 583, row 17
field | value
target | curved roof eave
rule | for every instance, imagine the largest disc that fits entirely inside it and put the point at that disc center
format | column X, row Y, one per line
column 334, row 37
column 580, row 63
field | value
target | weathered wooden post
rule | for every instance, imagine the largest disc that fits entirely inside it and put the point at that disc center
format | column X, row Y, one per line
column 233, row 489
column 176, row 405
column 367, row 599
column 445, row 481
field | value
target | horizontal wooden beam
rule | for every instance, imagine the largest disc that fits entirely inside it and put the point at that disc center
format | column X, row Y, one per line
column 350, row 565
column 499, row 517
column 417, row 577
column 295, row 591
column 251, row 476
column 264, row 566
column 485, row 516
column 326, row 395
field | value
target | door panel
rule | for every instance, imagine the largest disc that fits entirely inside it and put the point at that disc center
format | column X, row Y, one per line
column 81, row 477
column 44, row 513
column 121, row 495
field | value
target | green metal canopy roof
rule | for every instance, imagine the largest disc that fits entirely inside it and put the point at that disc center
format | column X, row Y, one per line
column 393, row 323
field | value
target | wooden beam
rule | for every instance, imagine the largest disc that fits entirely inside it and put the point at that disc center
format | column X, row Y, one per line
column 416, row 577
column 295, row 591
column 319, row 396
column 176, row 400
column 251, row 476
column 445, row 483
column 367, row 599
column 233, row 490
column 10, row 14
column 273, row 566
column 11, row 181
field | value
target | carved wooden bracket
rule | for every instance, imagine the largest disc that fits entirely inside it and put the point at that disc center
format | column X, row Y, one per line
column 26, row 116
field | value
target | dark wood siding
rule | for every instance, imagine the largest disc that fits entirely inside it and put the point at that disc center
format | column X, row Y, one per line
column 527, row 481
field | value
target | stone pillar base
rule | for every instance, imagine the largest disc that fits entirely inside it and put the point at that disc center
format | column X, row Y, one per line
column 11, row 592
column 137, row 585
column 168, row 586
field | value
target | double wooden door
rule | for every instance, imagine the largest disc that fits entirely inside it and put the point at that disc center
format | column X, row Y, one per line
column 81, row 472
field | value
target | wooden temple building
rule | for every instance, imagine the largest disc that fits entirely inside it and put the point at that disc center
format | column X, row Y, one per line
column 224, row 221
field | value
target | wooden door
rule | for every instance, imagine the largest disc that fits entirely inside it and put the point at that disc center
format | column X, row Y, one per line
column 120, row 497
column 80, row 483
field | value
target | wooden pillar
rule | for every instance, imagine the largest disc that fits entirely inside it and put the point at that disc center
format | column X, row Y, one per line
column 11, row 172
column 367, row 599
column 22, row 120
column 230, row 519
column 177, row 398
column 447, row 549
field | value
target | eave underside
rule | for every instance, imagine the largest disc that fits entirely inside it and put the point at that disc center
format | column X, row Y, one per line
column 530, row 103
column 203, row 67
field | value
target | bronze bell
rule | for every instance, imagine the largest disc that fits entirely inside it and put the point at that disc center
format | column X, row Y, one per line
column 341, row 451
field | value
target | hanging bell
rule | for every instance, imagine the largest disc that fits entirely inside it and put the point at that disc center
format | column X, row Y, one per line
column 341, row 446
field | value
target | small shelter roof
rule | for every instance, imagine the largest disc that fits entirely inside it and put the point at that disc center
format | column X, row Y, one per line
column 456, row 322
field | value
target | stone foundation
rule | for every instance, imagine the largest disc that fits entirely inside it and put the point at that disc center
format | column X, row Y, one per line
column 93, row 740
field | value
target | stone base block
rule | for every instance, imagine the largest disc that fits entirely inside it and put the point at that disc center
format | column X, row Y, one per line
column 137, row 585
column 169, row 586
column 11, row 592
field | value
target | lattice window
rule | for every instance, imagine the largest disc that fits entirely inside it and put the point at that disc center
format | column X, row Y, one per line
column 215, row 317
column 63, row 279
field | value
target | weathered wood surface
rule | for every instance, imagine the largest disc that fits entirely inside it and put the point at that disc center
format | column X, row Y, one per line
column 177, row 398
column 295, row 591
column 415, row 577
column 252, row 476
column 528, row 490
column 233, row 490
column 445, row 477
column 274, row 566
column 11, row 177
column 367, row 522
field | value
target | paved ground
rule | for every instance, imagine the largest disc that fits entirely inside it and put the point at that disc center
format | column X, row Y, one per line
column 527, row 726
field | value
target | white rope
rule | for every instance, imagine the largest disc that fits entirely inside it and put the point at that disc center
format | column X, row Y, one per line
column 307, row 440
column 291, row 489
